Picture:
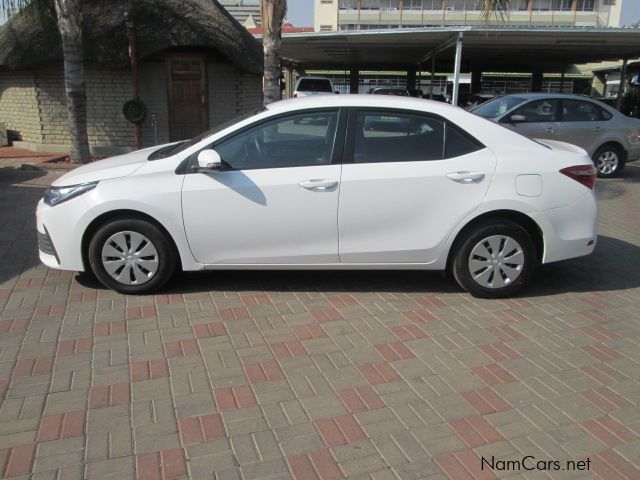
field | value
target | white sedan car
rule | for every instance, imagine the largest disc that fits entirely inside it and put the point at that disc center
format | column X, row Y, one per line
column 338, row 182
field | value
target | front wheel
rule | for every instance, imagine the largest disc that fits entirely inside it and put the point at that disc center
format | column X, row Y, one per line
column 495, row 260
column 609, row 160
column 131, row 256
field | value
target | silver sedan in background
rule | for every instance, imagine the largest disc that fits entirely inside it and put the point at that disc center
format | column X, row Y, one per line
column 610, row 138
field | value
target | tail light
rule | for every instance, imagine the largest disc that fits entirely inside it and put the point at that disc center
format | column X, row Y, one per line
column 585, row 174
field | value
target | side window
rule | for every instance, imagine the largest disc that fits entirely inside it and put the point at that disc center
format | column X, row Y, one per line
column 581, row 111
column 459, row 143
column 299, row 140
column 397, row 137
column 538, row 111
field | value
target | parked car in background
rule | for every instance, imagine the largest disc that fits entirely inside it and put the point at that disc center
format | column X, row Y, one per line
column 292, row 187
column 610, row 138
column 397, row 91
column 313, row 86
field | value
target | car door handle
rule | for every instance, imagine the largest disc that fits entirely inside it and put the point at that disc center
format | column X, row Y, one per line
column 550, row 130
column 317, row 184
column 596, row 129
column 466, row 177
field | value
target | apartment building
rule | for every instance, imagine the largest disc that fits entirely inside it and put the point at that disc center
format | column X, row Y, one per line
column 331, row 15
column 246, row 12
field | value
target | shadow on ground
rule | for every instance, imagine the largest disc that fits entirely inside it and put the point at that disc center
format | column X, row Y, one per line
column 613, row 266
column 19, row 195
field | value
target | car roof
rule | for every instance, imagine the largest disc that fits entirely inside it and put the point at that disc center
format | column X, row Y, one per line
column 361, row 100
column 312, row 77
column 534, row 95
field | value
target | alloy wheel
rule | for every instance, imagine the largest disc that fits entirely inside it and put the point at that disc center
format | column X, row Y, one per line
column 496, row 261
column 130, row 258
column 608, row 162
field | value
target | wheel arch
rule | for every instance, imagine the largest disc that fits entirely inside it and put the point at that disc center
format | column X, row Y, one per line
column 522, row 219
column 615, row 143
column 106, row 217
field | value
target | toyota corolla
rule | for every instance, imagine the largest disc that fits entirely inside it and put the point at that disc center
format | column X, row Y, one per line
column 337, row 182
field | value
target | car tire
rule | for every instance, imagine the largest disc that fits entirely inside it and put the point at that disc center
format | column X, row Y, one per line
column 495, row 260
column 609, row 160
column 132, row 256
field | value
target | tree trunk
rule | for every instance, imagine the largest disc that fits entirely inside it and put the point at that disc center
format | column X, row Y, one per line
column 69, row 15
column 273, row 12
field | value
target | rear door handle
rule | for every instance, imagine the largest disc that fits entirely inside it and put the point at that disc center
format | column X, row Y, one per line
column 318, row 184
column 596, row 129
column 466, row 177
column 550, row 130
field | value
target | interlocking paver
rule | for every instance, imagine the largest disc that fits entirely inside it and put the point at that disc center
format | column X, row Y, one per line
column 318, row 375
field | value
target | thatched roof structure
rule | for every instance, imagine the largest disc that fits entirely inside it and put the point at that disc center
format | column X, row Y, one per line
column 29, row 40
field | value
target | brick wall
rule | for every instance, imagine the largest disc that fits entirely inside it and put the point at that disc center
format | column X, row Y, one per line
column 231, row 92
column 107, row 90
column 19, row 105
column 34, row 103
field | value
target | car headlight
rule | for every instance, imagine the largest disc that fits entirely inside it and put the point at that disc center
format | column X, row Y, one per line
column 55, row 195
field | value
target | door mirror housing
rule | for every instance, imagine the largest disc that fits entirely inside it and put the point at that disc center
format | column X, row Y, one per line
column 337, row 92
column 517, row 119
column 209, row 160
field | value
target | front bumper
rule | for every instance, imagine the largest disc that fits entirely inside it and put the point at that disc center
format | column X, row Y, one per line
column 60, row 233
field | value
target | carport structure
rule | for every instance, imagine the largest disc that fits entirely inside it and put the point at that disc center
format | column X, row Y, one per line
column 474, row 49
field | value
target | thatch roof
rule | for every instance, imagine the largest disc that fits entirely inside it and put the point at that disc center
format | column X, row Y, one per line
column 28, row 40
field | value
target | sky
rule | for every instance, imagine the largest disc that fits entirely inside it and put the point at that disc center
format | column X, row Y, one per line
column 300, row 13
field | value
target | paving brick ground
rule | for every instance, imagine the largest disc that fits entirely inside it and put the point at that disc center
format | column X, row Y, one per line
column 311, row 375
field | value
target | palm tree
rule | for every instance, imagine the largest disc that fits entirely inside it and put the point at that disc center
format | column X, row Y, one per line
column 68, row 14
column 273, row 12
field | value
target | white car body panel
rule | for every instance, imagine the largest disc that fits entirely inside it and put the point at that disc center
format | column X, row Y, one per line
column 394, row 212
column 379, row 216
column 262, row 216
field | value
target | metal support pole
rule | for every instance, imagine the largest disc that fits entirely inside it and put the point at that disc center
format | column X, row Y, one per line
column 623, row 79
column 456, row 72
column 562, row 79
column 433, row 76
column 354, row 80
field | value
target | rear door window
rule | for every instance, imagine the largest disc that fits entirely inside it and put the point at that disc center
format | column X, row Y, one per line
column 382, row 136
column 581, row 111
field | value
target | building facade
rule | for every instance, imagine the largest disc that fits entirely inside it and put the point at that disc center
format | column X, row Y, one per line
column 246, row 12
column 332, row 15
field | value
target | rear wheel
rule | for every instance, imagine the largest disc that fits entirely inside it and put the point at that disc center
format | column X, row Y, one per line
column 609, row 160
column 132, row 256
column 495, row 260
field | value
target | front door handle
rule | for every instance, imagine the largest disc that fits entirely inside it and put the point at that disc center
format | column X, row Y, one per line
column 596, row 129
column 466, row 177
column 318, row 184
column 550, row 130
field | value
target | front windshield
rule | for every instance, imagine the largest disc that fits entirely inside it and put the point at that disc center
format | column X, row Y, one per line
column 176, row 148
column 497, row 107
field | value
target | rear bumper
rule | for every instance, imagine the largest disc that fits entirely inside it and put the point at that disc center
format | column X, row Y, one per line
column 569, row 231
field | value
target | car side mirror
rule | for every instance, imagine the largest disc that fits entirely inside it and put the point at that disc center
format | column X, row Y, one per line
column 209, row 160
column 517, row 119
column 337, row 92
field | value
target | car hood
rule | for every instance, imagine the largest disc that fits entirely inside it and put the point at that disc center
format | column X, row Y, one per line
column 114, row 167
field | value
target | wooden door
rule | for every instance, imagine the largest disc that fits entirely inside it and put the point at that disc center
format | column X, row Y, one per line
column 187, row 86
